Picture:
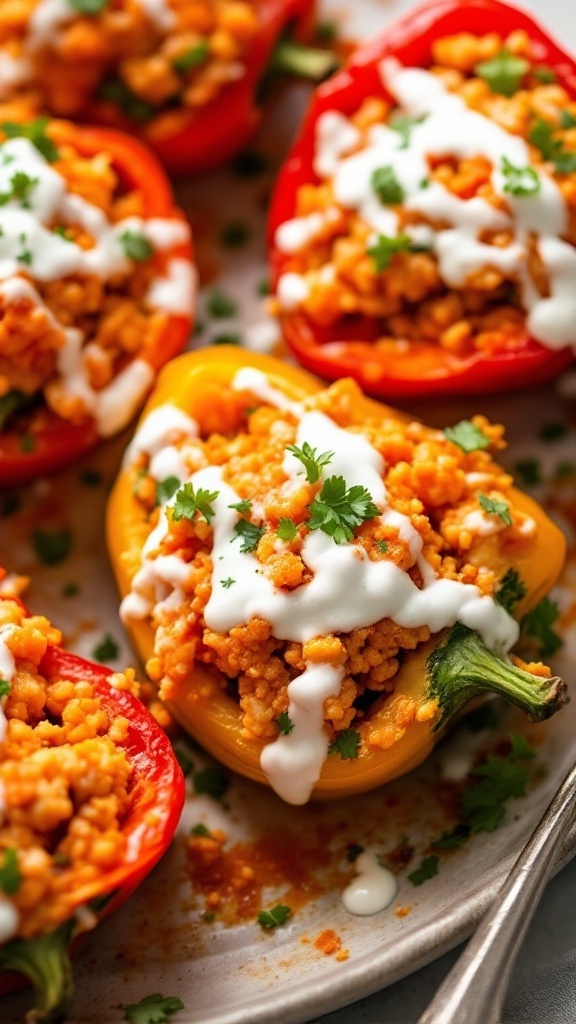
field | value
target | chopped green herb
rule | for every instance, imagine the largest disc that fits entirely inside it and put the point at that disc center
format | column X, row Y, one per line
column 263, row 287
column 115, row 91
column 495, row 508
column 11, row 402
column 184, row 760
column 567, row 120
column 347, row 744
column 191, row 58
column 62, row 231
column 354, row 851
column 337, row 510
column 538, row 624
column 106, row 650
column 327, row 31
column 312, row 462
column 286, row 529
column 386, row 247
column 35, row 132
column 542, row 135
column 227, row 583
column 10, row 877
column 27, row 442
column 4, row 687
column 88, row 6
column 503, row 72
column 91, row 478
column 386, row 185
column 425, row 183
column 249, row 534
column 189, row 502
column 25, row 256
column 70, row 590
column 21, row 187
column 220, row 306
column 136, row 246
column 382, row 546
column 467, row 437
column 427, row 869
column 52, row 546
column 284, row 723
column 405, row 125
column 521, row 748
column 242, row 506
column 493, row 782
column 511, row 589
column 166, row 489
column 452, row 840
column 278, row 915
column 519, row 181
column 199, row 830
column 154, row 1009
column 212, row 781
column 209, row 916
column 529, row 472
column 564, row 470
column 231, row 338
column 544, row 74
column 552, row 432
column 234, row 235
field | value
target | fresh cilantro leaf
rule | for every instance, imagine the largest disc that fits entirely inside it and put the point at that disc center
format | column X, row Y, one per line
column 346, row 744
column 88, row 6
column 495, row 508
column 249, row 533
column 115, row 91
column 529, row 472
column 405, row 125
column 136, row 246
column 284, row 723
column 503, row 72
column 242, row 506
column 452, row 840
column 21, row 185
column 106, row 650
column 227, row 338
column 227, row 583
column 493, row 782
column 234, row 235
column 386, row 185
column 166, row 489
column 382, row 546
column 219, row 305
column 199, row 830
column 427, row 869
column 188, row 502
column 70, row 590
column 337, row 510
column 286, row 529
column 552, row 432
column 278, row 915
column 184, row 760
column 354, row 851
column 62, row 231
column 312, row 462
column 564, row 470
column 386, row 247
column 11, row 402
column 542, row 136
column 537, row 625
column 192, row 57
column 544, row 74
column 10, row 876
column 154, row 1009
column 519, row 181
column 52, row 546
column 263, row 287
column 567, row 120
column 467, row 437
column 4, row 687
column 25, row 255
column 213, row 781
column 511, row 589
column 521, row 749
column 35, row 132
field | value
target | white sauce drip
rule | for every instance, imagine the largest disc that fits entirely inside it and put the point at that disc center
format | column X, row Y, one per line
column 9, row 917
column 14, row 71
column 381, row 589
column 374, row 888
column 449, row 128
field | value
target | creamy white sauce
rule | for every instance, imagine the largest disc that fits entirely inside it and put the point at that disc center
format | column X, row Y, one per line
column 9, row 920
column 481, row 524
column 448, row 128
column 176, row 292
column 374, row 888
column 160, row 13
column 161, row 427
column 49, row 16
column 14, row 71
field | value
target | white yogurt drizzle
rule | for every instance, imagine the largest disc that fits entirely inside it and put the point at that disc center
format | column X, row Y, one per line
column 380, row 589
column 373, row 889
column 448, row 128
column 27, row 229
column 9, row 917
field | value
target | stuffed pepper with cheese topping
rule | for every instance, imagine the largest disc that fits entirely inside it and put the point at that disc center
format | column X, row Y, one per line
column 423, row 232
column 317, row 583
column 96, row 289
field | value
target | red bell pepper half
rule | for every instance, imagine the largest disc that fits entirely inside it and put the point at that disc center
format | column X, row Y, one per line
column 54, row 442
column 348, row 349
column 158, row 791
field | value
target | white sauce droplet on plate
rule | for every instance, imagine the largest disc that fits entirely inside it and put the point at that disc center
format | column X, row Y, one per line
column 374, row 888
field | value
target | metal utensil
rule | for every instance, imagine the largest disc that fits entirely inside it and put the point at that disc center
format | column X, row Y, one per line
column 474, row 990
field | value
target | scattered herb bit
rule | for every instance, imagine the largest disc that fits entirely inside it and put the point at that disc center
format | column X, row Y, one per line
column 21, row 185
column 386, row 185
column 564, row 470
column 115, row 91
column 249, row 164
column 136, row 246
column 337, row 510
column 106, row 650
column 269, row 919
column 199, row 328
column 70, row 590
column 346, row 744
column 10, row 877
column 312, row 462
column 212, row 781
column 227, row 583
column 521, row 748
column 567, row 120
column 51, row 546
column 529, row 472
column 511, row 589
column 503, row 72
column 538, row 624
column 495, row 508
column 27, row 443
column 9, row 403
column 188, row 502
column 199, row 830
column 493, row 782
column 382, row 546
column 520, row 181
column 552, row 149
column 234, row 235
column 452, row 840
column 284, row 723
column 386, row 247
column 552, row 432
column 219, row 305
column 425, row 183
column 249, row 533
column 354, row 851
column 326, row 31
column 154, row 1009
column 427, row 869
column 263, row 287
column 209, row 916
column 25, row 255
column 88, row 6
column 286, row 529
column 63, row 232
column 4, row 687
column 466, row 436
column 227, row 339
column 184, row 760
column 191, row 58
column 61, row 860
column 544, row 74
column 405, row 126
column 35, row 132
column 242, row 506
column 91, row 478
column 166, row 489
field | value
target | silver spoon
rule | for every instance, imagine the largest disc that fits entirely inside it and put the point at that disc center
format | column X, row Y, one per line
column 474, row 990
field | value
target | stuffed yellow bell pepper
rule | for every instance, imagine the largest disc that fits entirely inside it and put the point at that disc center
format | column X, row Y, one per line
column 317, row 583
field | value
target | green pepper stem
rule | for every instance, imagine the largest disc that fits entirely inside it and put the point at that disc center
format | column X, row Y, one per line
column 462, row 667
column 303, row 61
column 45, row 962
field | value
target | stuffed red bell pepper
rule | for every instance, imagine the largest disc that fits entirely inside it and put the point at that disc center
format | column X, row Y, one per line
column 423, row 230
column 91, row 794
column 96, row 289
column 184, row 77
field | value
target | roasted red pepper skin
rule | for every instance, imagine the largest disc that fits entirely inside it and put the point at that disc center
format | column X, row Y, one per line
column 158, row 788
column 55, row 443
column 427, row 370
column 188, row 141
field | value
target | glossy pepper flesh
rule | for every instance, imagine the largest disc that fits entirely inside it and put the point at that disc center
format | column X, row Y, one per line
column 197, row 383
column 54, row 442
column 424, row 369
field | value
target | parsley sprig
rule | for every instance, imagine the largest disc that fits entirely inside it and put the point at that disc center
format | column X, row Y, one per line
column 10, row 875
column 511, row 589
column 347, row 744
column 35, row 132
column 503, row 72
column 154, row 1009
column 249, row 534
column 278, row 915
column 312, row 462
column 519, row 181
column 387, row 246
column 495, row 781
column 542, row 135
column 337, row 510
column 537, row 626
column 466, row 436
column 495, row 508
column 189, row 502
column 386, row 185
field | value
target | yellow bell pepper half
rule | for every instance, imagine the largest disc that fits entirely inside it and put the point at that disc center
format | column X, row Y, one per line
column 196, row 383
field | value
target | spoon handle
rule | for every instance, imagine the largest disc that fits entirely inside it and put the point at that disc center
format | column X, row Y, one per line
column 474, row 990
